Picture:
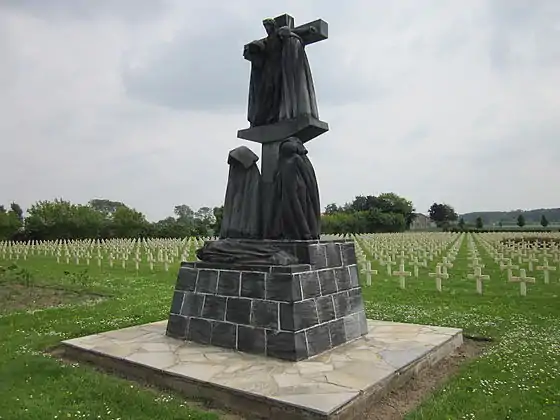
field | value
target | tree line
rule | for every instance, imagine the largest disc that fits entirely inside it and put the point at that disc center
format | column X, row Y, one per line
column 104, row 219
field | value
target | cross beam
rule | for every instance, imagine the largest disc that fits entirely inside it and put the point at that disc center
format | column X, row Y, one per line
column 320, row 32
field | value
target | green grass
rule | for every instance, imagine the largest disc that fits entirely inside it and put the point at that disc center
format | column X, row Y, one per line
column 518, row 377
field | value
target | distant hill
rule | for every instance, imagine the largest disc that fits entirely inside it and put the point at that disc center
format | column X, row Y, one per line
column 532, row 217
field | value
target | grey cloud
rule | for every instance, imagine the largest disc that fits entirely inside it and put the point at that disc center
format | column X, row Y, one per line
column 206, row 71
column 533, row 25
column 128, row 10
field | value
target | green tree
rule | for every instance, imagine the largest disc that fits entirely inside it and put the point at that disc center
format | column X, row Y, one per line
column 442, row 214
column 520, row 220
column 17, row 210
column 544, row 221
column 461, row 223
column 104, row 206
column 128, row 223
column 479, row 223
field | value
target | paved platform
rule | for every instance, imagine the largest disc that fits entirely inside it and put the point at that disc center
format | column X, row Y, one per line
column 339, row 384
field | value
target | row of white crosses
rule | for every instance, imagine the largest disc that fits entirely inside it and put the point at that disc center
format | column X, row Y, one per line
column 415, row 250
column 507, row 249
column 121, row 252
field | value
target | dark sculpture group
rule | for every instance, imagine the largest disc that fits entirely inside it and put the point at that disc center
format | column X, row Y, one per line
column 282, row 203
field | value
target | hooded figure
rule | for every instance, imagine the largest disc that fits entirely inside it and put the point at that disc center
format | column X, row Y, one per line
column 241, row 216
column 296, row 211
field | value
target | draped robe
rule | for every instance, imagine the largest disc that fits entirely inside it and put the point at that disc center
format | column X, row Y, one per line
column 281, row 85
column 241, row 215
column 296, row 210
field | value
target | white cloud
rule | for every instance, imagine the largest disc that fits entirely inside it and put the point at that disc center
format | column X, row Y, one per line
column 436, row 101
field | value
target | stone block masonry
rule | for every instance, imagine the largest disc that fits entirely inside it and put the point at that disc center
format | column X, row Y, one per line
column 286, row 312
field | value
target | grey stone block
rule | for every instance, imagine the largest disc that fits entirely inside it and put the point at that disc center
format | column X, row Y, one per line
column 342, row 277
column 186, row 279
column 337, row 332
column 305, row 314
column 327, row 281
column 251, row 340
column 286, row 345
column 224, row 335
column 207, row 281
column 356, row 300
column 229, row 283
column 363, row 323
column 310, row 284
column 325, row 309
column 214, row 307
column 349, row 253
column 286, row 317
column 253, row 284
column 238, row 310
column 318, row 256
column 283, row 287
column 177, row 326
column 352, row 326
column 318, row 339
column 192, row 304
column 341, row 304
column 176, row 302
column 200, row 330
column 334, row 255
column 264, row 314
column 354, row 278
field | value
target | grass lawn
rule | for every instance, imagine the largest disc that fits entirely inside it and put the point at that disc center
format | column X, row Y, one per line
column 518, row 377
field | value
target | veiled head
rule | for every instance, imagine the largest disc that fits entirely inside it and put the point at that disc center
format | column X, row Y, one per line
column 292, row 146
column 270, row 25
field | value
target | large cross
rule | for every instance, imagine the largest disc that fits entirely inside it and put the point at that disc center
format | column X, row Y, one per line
column 270, row 136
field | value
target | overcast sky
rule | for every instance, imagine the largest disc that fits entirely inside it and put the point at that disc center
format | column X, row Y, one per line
column 140, row 100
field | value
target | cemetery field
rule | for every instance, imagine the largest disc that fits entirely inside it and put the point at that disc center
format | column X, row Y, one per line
column 55, row 291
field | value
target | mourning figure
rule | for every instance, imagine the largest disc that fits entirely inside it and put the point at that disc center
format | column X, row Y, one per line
column 241, row 216
column 281, row 85
column 295, row 211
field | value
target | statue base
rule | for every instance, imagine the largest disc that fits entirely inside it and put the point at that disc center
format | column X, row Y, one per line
column 304, row 128
column 289, row 312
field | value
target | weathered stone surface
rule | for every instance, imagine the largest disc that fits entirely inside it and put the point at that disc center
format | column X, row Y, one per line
column 214, row 307
column 192, row 304
column 329, row 386
column 327, row 281
column 253, row 285
column 353, row 325
column 238, row 310
column 200, row 330
column 287, row 317
column 251, row 340
column 177, row 302
column 186, row 279
column 337, row 332
column 325, row 309
column 177, row 326
column 207, row 281
column 342, row 277
column 318, row 256
column 310, row 284
column 318, row 339
column 284, row 345
column 229, row 283
column 264, row 314
column 334, row 255
column 354, row 278
column 283, row 287
column 356, row 300
column 341, row 304
column 224, row 335
column 349, row 254
column 305, row 314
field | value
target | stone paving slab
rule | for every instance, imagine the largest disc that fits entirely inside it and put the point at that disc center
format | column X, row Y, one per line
column 338, row 384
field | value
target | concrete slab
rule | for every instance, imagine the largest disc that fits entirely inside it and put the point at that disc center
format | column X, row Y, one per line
column 339, row 384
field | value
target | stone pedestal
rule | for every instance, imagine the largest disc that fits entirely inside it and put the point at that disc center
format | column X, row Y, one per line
column 286, row 312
